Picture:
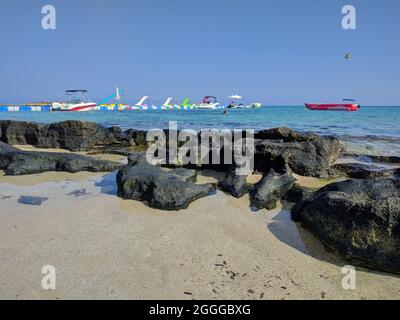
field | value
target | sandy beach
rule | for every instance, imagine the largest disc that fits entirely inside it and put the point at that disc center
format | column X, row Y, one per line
column 200, row 150
column 104, row 247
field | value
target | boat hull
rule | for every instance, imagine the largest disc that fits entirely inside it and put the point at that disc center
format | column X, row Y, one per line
column 332, row 107
column 208, row 106
column 79, row 107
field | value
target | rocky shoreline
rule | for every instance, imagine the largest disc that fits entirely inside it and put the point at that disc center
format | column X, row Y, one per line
column 357, row 218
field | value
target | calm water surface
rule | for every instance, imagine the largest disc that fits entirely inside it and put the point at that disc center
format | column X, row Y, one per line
column 373, row 129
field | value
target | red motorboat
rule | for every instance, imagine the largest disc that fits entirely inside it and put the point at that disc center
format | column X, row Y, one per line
column 333, row 106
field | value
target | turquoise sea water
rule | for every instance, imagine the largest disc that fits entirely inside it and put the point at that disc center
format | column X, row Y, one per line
column 374, row 129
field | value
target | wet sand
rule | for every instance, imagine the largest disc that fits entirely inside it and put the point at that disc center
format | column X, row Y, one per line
column 105, row 247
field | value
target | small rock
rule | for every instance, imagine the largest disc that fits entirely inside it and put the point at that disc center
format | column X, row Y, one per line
column 235, row 184
column 165, row 190
column 270, row 190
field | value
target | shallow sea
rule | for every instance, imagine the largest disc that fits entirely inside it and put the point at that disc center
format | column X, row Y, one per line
column 374, row 130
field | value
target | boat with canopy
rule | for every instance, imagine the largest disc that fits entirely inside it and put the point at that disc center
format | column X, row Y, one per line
column 77, row 101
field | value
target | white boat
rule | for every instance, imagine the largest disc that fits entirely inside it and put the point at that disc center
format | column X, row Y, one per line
column 234, row 105
column 209, row 102
column 78, row 101
column 256, row 105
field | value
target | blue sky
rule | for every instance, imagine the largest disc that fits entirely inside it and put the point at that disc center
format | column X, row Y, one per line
column 282, row 52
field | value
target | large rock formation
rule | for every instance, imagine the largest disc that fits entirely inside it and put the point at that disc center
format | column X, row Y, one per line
column 71, row 135
column 271, row 189
column 305, row 153
column 20, row 132
column 17, row 162
column 357, row 219
column 161, row 189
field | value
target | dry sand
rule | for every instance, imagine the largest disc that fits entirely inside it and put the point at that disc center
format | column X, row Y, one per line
column 105, row 247
column 100, row 156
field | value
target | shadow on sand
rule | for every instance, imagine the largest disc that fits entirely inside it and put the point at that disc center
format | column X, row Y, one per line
column 295, row 236
column 292, row 234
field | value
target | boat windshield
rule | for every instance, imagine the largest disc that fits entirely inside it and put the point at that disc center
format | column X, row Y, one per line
column 77, row 96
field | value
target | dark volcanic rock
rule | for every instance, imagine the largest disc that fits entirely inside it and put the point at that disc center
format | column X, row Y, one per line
column 20, row 132
column 165, row 190
column 357, row 219
column 271, row 189
column 17, row 162
column 135, row 157
column 298, row 194
column 72, row 135
column 80, row 135
column 361, row 171
column 285, row 134
column 5, row 151
column 5, row 148
column 184, row 174
column 306, row 154
column 138, row 137
column 235, row 184
column 373, row 158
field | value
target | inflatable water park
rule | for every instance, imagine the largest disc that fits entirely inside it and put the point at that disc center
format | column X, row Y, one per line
column 78, row 101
